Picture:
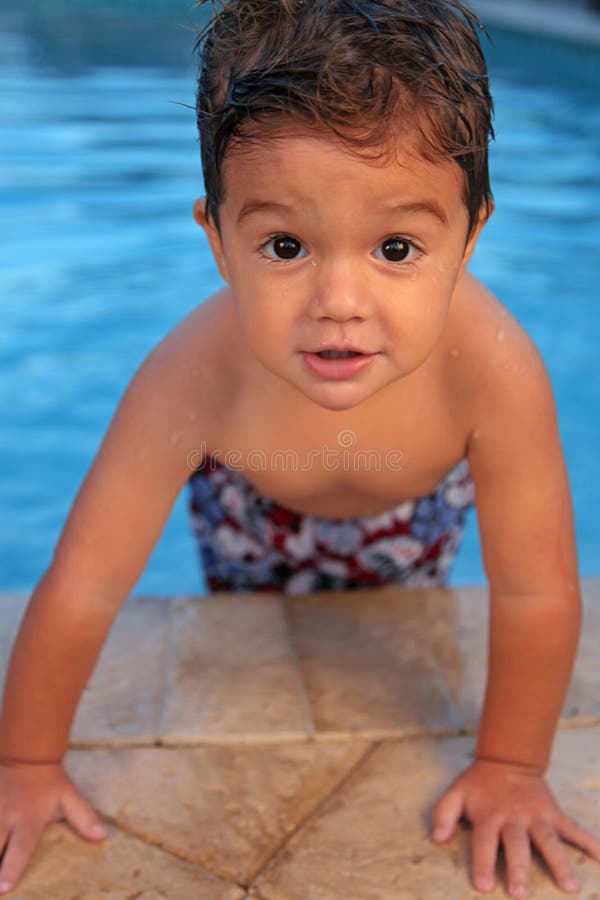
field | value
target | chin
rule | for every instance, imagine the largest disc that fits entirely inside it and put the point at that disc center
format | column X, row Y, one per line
column 338, row 398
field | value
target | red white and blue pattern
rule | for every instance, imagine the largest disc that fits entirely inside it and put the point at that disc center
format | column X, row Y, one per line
column 248, row 542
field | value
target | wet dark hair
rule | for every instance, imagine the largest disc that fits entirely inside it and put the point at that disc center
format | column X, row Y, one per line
column 363, row 70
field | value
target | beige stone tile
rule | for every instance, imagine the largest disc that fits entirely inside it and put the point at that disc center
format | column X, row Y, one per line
column 12, row 608
column 226, row 809
column 65, row 867
column 122, row 701
column 366, row 659
column 370, row 840
column 457, row 620
column 232, row 673
column 458, row 627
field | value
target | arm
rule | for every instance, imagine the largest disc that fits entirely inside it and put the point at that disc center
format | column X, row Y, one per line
column 526, row 526
column 115, row 521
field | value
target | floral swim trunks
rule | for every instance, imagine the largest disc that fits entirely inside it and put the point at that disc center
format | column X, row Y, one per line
column 248, row 542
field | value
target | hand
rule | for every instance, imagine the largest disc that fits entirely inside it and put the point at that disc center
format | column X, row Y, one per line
column 31, row 796
column 508, row 803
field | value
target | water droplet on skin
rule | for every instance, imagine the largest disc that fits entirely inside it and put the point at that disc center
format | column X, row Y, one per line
column 454, row 353
column 500, row 335
column 175, row 438
column 476, row 435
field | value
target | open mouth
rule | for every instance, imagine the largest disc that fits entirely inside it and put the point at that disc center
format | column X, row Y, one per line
column 337, row 365
column 338, row 354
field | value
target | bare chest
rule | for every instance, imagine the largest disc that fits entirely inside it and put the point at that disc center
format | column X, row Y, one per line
column 352, row 463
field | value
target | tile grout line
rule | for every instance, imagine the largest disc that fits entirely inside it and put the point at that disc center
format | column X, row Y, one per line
column 305, row 705
column 168, row 658
column 322, row 802
column 144, row 839
column 319, row 737
column 440, row 681
column 254, row 894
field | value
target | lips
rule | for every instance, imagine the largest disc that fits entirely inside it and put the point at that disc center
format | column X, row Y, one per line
column 336, row 364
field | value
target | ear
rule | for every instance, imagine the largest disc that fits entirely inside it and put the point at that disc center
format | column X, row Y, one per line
column 213, row 235
column 485, row 212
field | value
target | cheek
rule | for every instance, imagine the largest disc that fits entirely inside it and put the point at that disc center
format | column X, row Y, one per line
column 439, row 279
column 422, row 325
column 421, row 295
column 415, row 314
column 265, row 298
column 263, row 316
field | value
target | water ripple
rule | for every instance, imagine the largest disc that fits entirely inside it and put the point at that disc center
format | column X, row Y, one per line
column 100, row 255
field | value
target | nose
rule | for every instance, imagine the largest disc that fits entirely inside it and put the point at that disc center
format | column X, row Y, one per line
column 340, row 292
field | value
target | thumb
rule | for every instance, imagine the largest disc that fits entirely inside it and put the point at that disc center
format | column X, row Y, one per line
column 446, row 814
column 84, row 819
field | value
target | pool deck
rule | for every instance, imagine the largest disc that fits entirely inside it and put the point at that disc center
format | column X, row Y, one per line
column 572, row 20
column 255, row 746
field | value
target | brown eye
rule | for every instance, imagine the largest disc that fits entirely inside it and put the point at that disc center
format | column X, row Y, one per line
column 285, row 247
column 396, row 249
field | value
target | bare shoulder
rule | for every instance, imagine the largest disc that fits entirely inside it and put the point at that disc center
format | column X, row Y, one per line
column 493, row 340
column 515, row 453
column 189, row 372
column 498, row 369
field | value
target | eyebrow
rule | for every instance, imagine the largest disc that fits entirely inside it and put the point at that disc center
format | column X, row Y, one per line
column 254, row 206
column 430, row 207
column 420, row 206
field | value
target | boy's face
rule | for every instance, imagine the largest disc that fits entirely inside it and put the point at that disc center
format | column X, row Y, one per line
column 327, row 251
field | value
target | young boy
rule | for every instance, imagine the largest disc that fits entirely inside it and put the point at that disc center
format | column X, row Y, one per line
column 344, row 146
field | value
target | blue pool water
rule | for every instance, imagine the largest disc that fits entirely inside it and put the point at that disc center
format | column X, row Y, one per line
column 100, row 256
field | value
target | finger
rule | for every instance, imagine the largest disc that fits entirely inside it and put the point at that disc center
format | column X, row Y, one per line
column 484, row 850
column 548, row 843
column 21, row 844
column 571, row 831
column 83, row 817
column 517, row 852
column 446, row 814
column 4, row 835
